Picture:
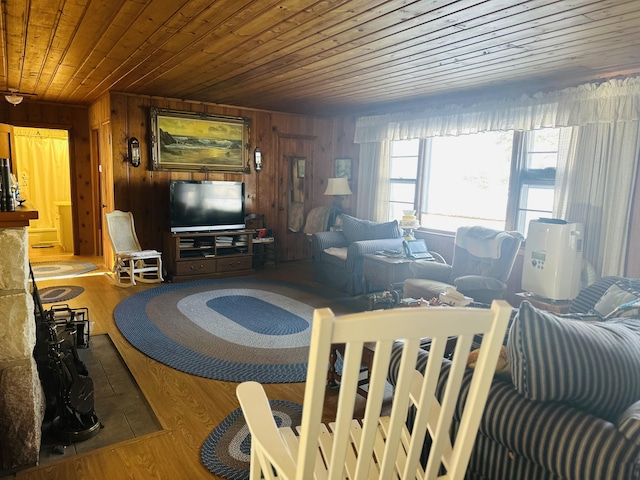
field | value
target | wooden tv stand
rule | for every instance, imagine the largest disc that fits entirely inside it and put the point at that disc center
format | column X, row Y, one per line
column 194, row 256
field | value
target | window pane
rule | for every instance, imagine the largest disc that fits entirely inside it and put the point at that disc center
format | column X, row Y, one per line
column 543, row 148
column 535, row 202
column 402, row 192
column 537, row 198
column 468, row 181
column 404, row 167
column 405, row 148
column 540, row 160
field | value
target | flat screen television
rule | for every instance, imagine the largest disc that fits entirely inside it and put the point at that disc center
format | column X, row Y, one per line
column 205, row 206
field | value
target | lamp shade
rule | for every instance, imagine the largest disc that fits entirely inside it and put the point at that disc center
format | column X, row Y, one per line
column 338, row 186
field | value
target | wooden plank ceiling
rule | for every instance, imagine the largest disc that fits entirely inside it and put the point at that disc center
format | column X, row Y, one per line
column 322, row 57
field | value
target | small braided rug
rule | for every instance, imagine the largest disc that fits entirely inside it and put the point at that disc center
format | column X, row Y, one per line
column 59, row 294
column 61, row 269
column 227, row 450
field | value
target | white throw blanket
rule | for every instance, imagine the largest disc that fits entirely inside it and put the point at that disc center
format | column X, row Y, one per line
column 480, row 241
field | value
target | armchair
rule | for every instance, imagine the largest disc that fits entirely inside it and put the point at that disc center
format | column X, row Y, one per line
column 482, row 262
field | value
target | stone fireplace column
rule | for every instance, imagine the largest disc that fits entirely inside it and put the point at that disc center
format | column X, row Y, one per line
column 22, row 402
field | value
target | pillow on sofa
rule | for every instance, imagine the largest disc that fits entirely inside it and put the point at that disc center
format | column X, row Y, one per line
column 355, row 229
column 616, row 295
column 629, row 309
column 592, row 365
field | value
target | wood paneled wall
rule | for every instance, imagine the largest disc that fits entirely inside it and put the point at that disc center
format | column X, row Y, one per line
column 145, row 192
column 74, row 120
column 118, row 116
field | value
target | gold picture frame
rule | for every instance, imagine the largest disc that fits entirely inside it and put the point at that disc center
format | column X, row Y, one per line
column 199, row 142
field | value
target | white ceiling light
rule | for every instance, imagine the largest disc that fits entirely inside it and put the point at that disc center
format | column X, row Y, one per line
column 13, row 98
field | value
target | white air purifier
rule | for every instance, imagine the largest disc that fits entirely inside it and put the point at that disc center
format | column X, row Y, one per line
column 552, row 265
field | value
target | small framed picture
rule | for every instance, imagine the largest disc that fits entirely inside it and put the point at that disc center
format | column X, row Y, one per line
column 342, row 168
column 300, row 167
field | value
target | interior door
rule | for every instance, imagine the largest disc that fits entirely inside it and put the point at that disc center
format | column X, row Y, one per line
column 295, row 174
column 100, row 142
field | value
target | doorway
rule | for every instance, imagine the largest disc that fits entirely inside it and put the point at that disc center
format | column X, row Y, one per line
column 43, row 173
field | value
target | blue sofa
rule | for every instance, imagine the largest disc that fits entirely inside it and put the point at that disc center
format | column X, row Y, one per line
column 570, row 407
column 338, row 256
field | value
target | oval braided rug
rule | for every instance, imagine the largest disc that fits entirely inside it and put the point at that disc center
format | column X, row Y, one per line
column 229, row 329
column 61, row 269
column 227, row 450
column 59, row 294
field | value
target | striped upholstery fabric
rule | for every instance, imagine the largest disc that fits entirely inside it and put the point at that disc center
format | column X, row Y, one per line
column 629, row 423
column 539, row 440
column 593, row 365
column 514, row 444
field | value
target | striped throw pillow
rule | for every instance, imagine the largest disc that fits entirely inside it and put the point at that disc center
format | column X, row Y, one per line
column 355, row 229
column 593, row 365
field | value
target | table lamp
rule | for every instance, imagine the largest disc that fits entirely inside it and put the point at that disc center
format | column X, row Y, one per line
column 338, row 188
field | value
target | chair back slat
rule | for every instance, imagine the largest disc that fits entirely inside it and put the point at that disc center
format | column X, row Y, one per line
column 370, row 423
column 346, row 405
column 440, row 438
column 423, row 398
column 401, row 404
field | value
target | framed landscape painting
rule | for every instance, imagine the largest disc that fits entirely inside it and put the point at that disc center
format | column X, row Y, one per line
column 198, row 141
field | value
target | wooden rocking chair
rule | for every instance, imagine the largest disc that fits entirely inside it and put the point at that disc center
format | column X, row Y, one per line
column 131, row 263
column 382, row 447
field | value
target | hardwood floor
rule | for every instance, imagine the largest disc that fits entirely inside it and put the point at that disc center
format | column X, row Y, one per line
column 187, row 407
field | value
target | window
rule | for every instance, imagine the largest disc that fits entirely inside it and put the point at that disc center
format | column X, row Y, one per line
column 403, row 166
column 475, row 179
column 467, row 181
column 536, row 179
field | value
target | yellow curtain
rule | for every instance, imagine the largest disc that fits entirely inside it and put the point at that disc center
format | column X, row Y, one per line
column 42, row 164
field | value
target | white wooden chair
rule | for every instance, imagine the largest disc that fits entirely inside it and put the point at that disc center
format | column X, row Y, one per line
column 131, row 263
column 381, row 447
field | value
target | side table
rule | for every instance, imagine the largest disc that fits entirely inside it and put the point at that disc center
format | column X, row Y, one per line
column 560, row 307
column 380, row 271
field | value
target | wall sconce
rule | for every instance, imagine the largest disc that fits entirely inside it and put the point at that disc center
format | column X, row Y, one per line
column 257, row 159
column 134, row 151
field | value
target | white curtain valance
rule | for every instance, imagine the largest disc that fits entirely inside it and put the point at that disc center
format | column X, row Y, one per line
column 611, row 101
